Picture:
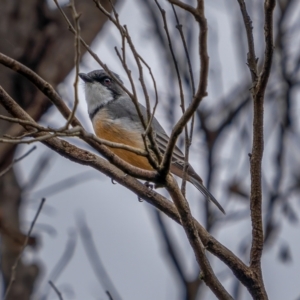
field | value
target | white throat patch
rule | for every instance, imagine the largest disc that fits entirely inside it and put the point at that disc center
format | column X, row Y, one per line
column 96, row 95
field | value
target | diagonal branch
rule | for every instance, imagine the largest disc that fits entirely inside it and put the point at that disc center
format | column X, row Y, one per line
column 251, row 57
column 3, row 172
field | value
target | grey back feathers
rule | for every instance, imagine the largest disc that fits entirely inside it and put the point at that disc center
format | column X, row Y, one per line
column 124, row 108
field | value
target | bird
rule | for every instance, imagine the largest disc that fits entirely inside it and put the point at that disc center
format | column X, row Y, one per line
column 115, row 118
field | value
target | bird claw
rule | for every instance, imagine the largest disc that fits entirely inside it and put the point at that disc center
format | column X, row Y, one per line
column 149, row 185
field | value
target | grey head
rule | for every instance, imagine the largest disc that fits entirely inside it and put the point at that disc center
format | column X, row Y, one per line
column 100, row 89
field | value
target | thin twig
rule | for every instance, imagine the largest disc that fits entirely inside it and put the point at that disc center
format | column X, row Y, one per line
column 76, row 17
column 76, row 131
column 188, row 138
column 156, row 95
column 56, row 290
column 17, row 160
column 251, row 57
column 109, row 295
column 141, row 73
column 125, row 35
column 26, row 134
column 186, row 51
column 199, row 16
column 182, row 101
column 40, row 138
column 184, row 6
column 23, row 122
column 93, row 54
column 15, row 265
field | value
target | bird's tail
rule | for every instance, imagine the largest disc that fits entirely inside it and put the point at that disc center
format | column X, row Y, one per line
column 199, row 185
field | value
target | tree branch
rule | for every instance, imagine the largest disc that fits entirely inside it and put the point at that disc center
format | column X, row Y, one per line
column 258, row 143
column 199, row 16
column 258, row 91
column 188, row 223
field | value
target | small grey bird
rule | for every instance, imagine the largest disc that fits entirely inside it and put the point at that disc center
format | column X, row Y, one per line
column 115, row 119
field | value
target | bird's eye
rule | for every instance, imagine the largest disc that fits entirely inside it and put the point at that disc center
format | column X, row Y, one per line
column 107, row 81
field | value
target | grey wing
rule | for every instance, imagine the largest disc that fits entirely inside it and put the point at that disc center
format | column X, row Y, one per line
column 162, row 140
column 124, row 108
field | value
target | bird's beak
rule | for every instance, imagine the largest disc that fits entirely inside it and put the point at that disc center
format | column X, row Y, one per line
column 85, row 77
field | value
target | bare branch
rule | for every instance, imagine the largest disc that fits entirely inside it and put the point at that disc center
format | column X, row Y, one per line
column 40, row 138
column 258, row 143
column 76, row 17
column 163, row 14
column 156, row 95
column 264, row 76
column 184, row 6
